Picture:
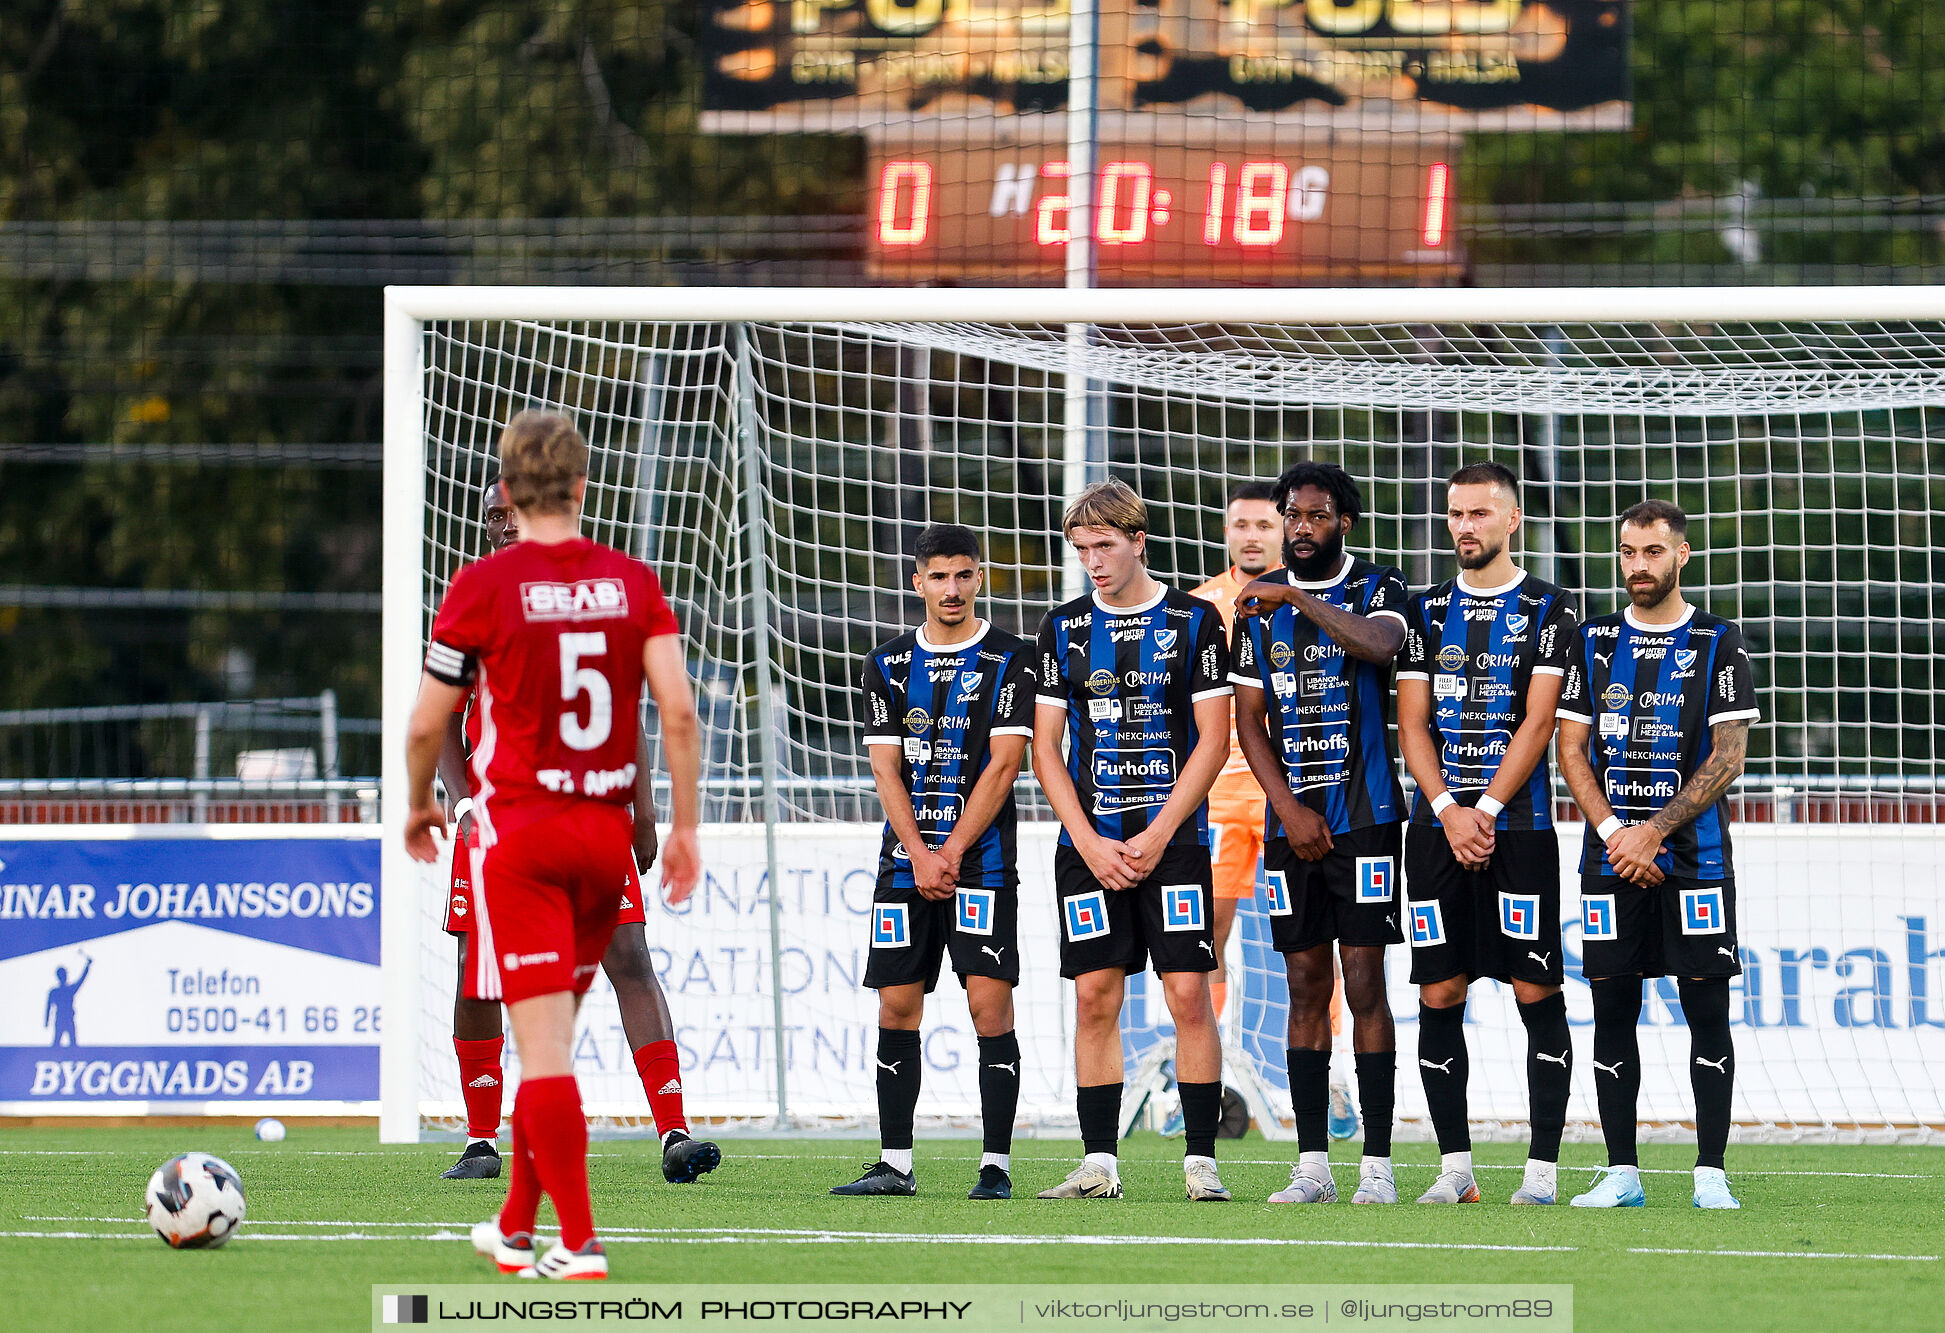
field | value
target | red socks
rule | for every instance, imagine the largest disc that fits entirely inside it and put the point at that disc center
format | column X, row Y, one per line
column 549, row 1129
column 523, row 1186
column 661, row 1072
column 479, row 1083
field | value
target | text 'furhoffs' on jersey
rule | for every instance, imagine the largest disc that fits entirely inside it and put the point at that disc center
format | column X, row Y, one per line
column 1649, row 695
column 941, row 705
column 1128, row 678
column 1478, row 651
column 1327, row 711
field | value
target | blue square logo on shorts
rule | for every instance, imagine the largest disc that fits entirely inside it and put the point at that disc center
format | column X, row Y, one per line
column 1085, row 915
column 1702, row 911
column 1374, row 879
column 1427, row 925
column 975, row 916
column 888, row 926
column 1182, row 907
column 1519, row 915
column 1278, row 893
column 1597, row 920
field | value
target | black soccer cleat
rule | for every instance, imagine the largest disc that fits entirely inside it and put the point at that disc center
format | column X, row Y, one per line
column 994, row 1183
column 480, row 1161
column 686, row 1160
column 879, row 1178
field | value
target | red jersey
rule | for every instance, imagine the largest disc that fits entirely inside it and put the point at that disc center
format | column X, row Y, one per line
column 549, row 637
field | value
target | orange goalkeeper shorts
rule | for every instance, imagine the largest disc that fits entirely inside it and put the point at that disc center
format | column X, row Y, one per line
column 1236, row 840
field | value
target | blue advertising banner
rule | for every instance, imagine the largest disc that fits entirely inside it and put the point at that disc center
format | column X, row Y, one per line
column 172, row 970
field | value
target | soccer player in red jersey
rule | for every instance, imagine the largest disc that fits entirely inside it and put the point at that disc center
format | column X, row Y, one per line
column 556, row 635
column 478, row 1041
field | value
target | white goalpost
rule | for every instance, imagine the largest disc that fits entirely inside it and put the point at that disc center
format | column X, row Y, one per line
column 773, row 453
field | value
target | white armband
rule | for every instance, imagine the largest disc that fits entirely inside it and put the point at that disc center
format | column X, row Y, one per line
column 461, row 808
column 1489, row 807
column 1441, row 803
column 1609, row 827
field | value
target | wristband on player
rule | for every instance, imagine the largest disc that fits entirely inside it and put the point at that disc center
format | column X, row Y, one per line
column 461, row 808
column 1489, row 807
column 1609, row 827
column 1441, row 803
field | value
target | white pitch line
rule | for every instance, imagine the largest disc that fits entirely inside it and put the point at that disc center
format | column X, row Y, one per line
column 1789, row 1254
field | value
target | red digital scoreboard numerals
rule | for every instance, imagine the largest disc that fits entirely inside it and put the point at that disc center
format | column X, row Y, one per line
column 1248, row 206
column 904, row 203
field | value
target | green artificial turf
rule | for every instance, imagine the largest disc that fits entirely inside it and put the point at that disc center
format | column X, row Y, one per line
column 81, row 1258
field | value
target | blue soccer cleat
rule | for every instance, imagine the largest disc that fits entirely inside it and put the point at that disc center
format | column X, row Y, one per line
column 1712, row 1189
column 1342, row 1122
column 1614, row 1187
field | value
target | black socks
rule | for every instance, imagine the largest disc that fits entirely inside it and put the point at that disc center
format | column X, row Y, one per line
column 898, row 1079
column 1443, row 1069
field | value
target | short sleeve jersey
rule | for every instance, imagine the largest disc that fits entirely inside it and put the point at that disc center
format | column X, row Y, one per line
column 1650, row 695
column 1328, row 712
column 1479, row 650
column 549, row 637
column 941, row 706
column 1128, row 679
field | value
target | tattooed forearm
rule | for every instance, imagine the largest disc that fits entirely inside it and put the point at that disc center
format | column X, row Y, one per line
column 1706, row 785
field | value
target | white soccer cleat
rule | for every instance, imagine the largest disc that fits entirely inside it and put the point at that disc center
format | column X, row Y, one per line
column 1531, row 1192
column 560, row 1264
column 1086, row 1181
column 1375, row 1184
column 1614, row 1187
column 1306, row 1188
column 1452, row 1187
column 1712, row 1189
column 510, row 1254
column 1204, row 1186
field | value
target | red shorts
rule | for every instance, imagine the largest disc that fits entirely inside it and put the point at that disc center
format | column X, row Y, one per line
column 459, row 898
column 545, row 898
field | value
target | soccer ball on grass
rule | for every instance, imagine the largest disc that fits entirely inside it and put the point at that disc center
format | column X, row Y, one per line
column 195, row 1201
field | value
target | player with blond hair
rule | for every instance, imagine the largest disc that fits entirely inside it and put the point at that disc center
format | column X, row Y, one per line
column 556, row 635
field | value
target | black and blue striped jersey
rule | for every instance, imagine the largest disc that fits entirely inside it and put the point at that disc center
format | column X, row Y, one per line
column 1650, row 695
column 941, row 705
column 1478, row 651
column 1128, row 678
column 1328, row 712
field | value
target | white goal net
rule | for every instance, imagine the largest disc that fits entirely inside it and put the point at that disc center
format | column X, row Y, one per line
column 774, row 454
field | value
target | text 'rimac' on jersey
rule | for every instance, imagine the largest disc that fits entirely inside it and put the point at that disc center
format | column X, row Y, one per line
column 1477, row 650
column 941, row 705
column 1328, row 712
column 1128, row 679
column 1650, row 695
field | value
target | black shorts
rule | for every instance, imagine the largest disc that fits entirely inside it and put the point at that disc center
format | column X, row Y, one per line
column 1350, row 896
column 910, row 934
column 1502, row 922
column 1169, row 916
column 1679, row 928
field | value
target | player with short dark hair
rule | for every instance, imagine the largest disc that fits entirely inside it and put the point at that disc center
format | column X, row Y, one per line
column 557, row 636
column 1654, row 727
column 1313, row 650
column 1477, row 688
column 478, row 1039
column 948, row 713
column 1132, row 678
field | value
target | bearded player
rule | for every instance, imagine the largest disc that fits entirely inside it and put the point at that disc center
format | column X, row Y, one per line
column 556, row 635
column 1253, row 532
column 1654, row 726
column 1313, row 684
column 1477, row 689
column 478, row 1040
